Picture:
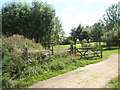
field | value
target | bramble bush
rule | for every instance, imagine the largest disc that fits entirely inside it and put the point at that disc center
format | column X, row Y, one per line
column 13, row 65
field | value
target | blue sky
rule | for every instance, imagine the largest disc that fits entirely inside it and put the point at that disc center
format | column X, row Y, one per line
column 75, row 12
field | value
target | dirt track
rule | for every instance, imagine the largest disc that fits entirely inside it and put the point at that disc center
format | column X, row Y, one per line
column 91, row 76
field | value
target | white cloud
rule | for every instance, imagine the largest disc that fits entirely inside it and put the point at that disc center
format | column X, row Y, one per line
column 74, row 20
column 48, row 1
column 71, row 9
column 54, row 1
column 109, row 1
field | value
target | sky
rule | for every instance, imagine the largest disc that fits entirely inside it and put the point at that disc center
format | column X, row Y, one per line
column 74, row 12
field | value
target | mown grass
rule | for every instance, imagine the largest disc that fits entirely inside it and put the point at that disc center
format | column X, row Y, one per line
column 77, row 45
column 114, row 83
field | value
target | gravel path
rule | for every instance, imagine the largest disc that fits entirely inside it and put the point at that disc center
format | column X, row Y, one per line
column 90, row 76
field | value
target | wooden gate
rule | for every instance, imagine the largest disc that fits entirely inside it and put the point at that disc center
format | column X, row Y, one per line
column 89, row 52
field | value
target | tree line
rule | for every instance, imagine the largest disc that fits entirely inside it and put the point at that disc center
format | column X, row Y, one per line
column 38, row 21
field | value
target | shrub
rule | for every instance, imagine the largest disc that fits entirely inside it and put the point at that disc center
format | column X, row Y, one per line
column 57, row 66
column 67, row 41
column 13, row 65
column 111, row 37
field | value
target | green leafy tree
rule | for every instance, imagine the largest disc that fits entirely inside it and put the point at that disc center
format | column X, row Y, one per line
column 96, row 31
column 112, row 21
column 58, row 33
column 35, row 21
column 67, row 41
column 85, row 35
column 111, row 37
column 79, row 34
column 111, row 17
column 73, row 35
column 14, row 18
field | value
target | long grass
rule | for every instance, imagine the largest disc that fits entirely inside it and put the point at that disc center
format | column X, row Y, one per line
column 114, row 83
column 70, row 65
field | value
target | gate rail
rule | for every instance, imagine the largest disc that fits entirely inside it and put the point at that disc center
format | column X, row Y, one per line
column 89, row 52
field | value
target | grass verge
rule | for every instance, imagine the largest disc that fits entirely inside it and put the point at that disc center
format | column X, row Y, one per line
column 18, row 72
column 115, row 83
column 29, row 80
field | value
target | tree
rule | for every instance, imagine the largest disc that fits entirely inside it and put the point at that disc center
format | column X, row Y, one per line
column 111, row 20
column 13, row 18
column 79, row 33
column 85, row 35
column 111, row 16
column 67, row 41
column 58, row 33
column 96, row 31
column 111, row 37
column 42, row 15
column 73, row 35
column 35, row 21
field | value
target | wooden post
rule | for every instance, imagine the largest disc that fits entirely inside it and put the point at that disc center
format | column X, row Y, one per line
column 52, row 50
column 26, row 53
column 101, row 51
column 71, row 48
column 75, row 49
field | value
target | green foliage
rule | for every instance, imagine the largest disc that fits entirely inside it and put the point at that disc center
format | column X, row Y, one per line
column 111, row 38
column 111, row 20
column 13, row 65
column 67, row 41
column 85, row 44
column 57, row 35
column 57, row 66
column 20, row 73
column 115, row 83
column 73, row 35
column 107, row 29
column 111, row 17
column 79, row 34
column 36, row 20
column 96, row 31
column 18, row 43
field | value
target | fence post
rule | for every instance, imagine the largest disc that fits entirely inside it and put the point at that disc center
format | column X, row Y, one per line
column 52, row 50
column 71, row 48
column 26, row 53
column 75, row 49
column 101, row 51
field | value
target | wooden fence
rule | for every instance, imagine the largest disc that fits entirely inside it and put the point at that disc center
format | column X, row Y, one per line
column 72, row 50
